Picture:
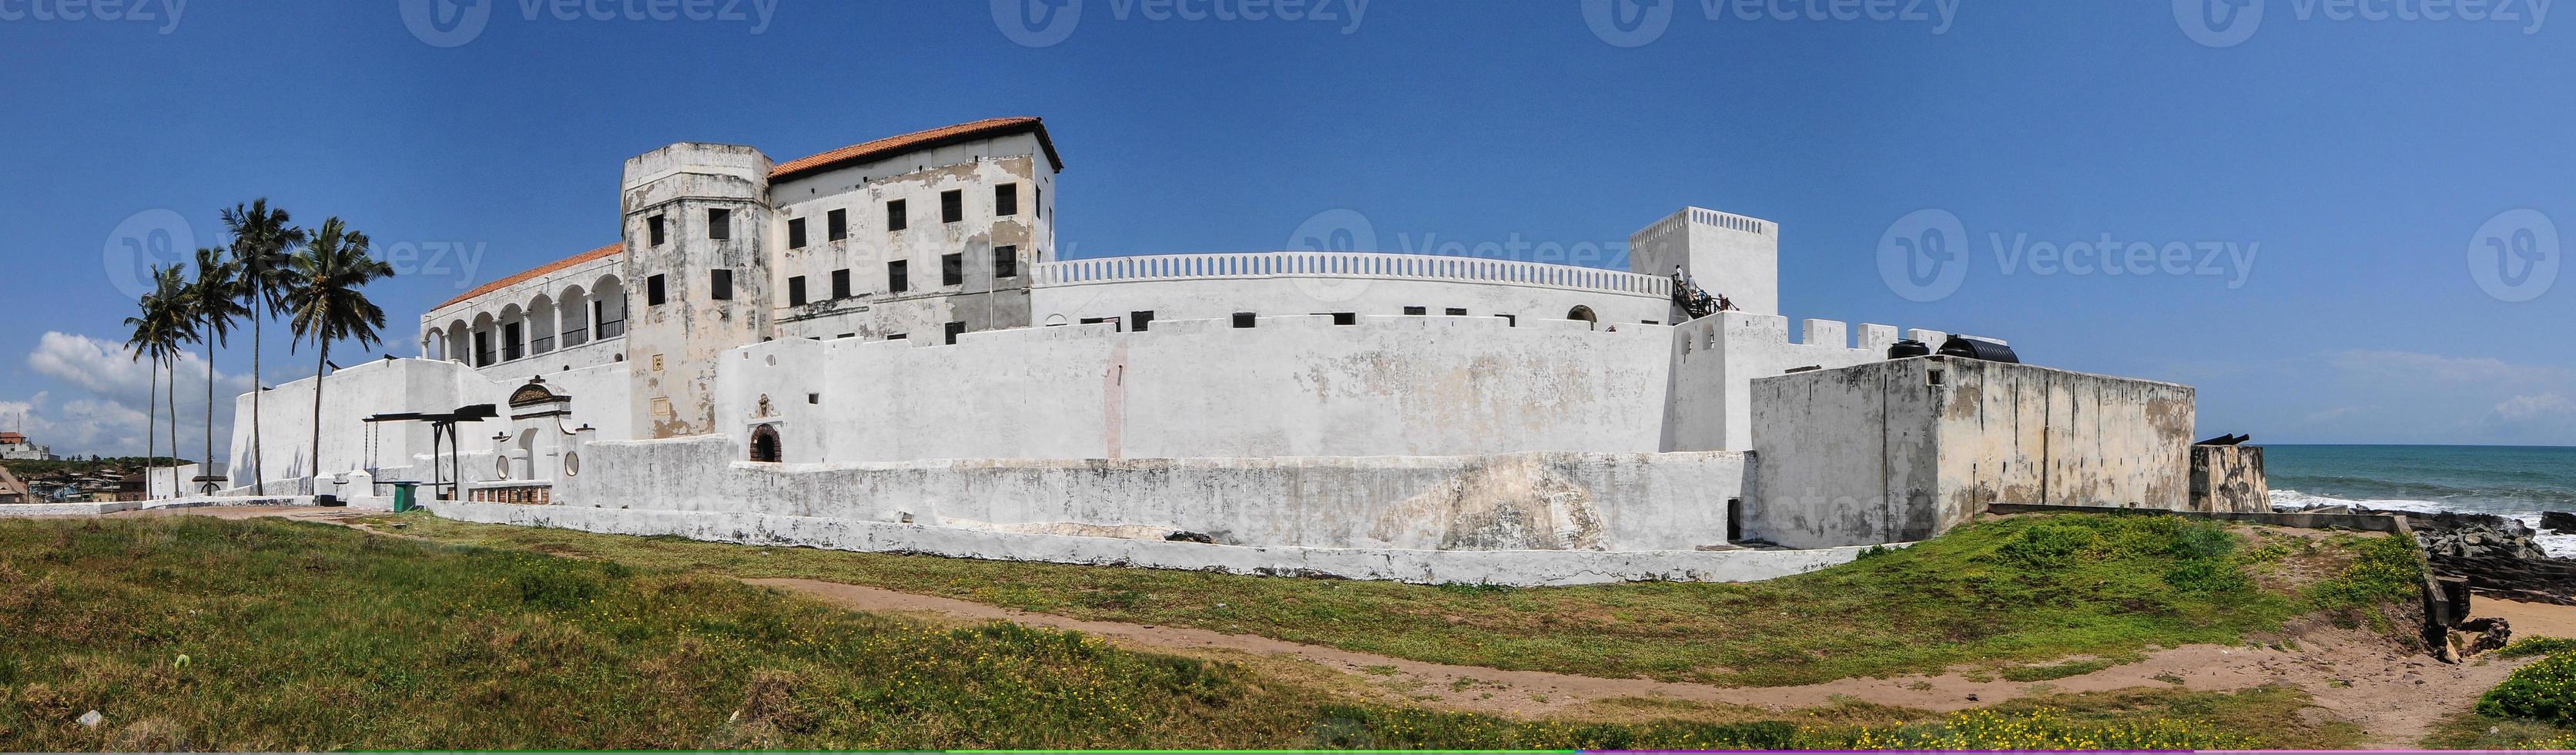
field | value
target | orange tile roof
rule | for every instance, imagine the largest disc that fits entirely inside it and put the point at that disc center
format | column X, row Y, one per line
column 919, row 140
column 595, row 254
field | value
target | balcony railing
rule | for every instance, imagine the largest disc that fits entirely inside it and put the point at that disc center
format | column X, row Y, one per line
column 611, row 329
column 576, row 337
column 542, row 345
column 1348, row 265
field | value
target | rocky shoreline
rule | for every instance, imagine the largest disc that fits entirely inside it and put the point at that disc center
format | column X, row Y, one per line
column 2495, row 555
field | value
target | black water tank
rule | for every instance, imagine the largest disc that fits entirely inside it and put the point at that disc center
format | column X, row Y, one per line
column 1908, row 348
column 1978, row 348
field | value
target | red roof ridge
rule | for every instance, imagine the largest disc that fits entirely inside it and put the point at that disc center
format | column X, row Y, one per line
column 534, row 273
column 920, row 140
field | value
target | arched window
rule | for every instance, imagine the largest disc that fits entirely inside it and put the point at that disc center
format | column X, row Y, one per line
column 764, row 444
column 1583, row 313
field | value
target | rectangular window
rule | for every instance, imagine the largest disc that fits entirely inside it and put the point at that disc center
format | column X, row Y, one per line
column 653, row 227
column 720, row 285
column 1006, row 200
column 898, row 276
column 1038, row 198
column 796, row 233
column 1346, row 318
column 953, row 330
column 952, row 269
column 796, row 291
column 836, row 225
column 720, row 224
column 1457, row 312
column 1417, row 310
column 1006, row 262
column 1243, row 319
column 894, row 215
column 1138, row 321
column 952, row 206
column 841, row 284
column 899, row 337
column 653, row 291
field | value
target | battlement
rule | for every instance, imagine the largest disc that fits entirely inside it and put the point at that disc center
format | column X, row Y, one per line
column 1675, row 222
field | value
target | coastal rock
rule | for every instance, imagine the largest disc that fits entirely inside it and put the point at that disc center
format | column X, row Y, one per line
column 2558, row 521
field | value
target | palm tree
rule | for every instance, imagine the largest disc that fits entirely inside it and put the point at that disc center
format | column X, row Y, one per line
column 262, row 241
column 158, row 330
column 324, row 303
column 215, row 301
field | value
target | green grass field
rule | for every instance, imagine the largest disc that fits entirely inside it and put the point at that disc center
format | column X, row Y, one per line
column 2003, row 593
column 190, row 632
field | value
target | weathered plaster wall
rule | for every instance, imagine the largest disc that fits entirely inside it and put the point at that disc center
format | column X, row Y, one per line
column 1887, row 451
column 2229, row 478
column 400, row 450
column 1717, row 358
column 1514, row 568
column 983, row 300
column 674, row 345
column 1553, row 501
column 1204, row 298
column 1293, row 386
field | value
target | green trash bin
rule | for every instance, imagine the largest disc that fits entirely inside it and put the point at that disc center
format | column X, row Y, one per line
column 403, row 496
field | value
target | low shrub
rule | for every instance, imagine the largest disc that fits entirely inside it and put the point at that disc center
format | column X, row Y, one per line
column 2543, row 691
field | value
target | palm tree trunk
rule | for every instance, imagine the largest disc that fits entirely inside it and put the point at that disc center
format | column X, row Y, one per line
column 210, row 414
column 172, row 396
column 151, row 426
column 258, row 471
column 321, row 362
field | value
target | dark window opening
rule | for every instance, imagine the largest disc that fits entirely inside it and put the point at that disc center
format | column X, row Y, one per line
column 511, row 333
column 952, row 206
column 796, row 291
column 836, row 225
column 1457, row 312
column 1139, row 320
column 653, row 228
column 654, row 294
column 1734, row 519
column 841, row 284
column 482, row 348
column 720, row 285
column 796, row 233
column 894, row 215
column 1243, row 319
column 952, row 269
column 953, row 330
column 899, row 337
column 899, row 276
column 1417, row 310
column 1006, row 262
column 1038, row 197
column 1006, row 200
column 814, row 398
column 1346, row 318
column 720, row 224
column 764, row 444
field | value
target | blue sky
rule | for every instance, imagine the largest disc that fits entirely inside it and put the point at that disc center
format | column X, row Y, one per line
column 2355, row 163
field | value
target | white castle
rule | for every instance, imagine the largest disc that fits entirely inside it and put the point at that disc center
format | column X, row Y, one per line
column 878, row 348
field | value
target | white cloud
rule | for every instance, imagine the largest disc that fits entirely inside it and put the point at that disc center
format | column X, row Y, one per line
column 2445, row 368
column 122, row 400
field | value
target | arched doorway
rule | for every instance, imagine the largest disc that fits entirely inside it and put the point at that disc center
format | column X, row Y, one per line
column 764, row 444
column 1584, row 313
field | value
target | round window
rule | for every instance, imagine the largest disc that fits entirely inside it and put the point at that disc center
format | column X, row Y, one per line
column 572, row 464
column 501, row 468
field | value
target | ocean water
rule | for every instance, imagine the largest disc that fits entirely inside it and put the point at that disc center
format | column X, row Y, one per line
column 2515, row 481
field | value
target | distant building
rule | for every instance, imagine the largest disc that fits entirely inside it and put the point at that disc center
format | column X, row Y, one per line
column 12, row 490
column 16, row 447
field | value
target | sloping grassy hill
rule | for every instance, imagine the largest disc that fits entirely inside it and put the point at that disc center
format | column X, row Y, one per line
column 190, row 632
column 2000, row 593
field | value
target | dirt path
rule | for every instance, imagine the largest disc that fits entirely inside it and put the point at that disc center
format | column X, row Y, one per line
column 2351, row 677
